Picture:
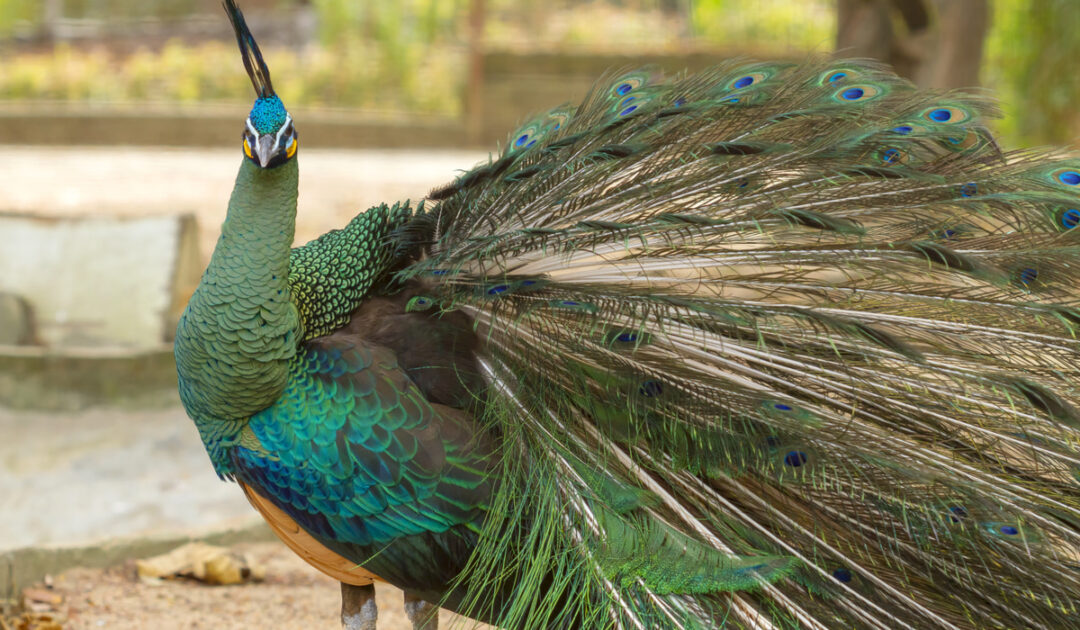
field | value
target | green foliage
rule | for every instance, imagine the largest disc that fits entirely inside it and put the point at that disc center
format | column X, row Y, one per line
column 766, row 24
column 419, row 22
column 404, row 35
column 1029, row 55
column 12, row 12
column 211, row 72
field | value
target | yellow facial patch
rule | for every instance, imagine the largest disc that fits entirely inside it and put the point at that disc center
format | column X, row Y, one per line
column 247, row 149
column 291, row 151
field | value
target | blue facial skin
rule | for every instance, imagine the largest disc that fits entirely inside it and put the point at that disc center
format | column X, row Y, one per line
column 268, row 114
column 269, row 136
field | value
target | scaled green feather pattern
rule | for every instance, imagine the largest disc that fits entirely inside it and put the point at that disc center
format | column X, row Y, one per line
column 240, row 329
column 358, row 456
column 329, row 276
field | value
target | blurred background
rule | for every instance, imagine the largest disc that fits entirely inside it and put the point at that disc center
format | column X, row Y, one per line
column 120, row 137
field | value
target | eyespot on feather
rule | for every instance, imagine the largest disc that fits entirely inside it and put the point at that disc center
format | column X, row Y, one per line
column 969, row 140
column 862, row 93
column 946, row 114
column 1068, row 177
column 1068, row 218
column 747, row 80
column 626, row 84
column 838, row 75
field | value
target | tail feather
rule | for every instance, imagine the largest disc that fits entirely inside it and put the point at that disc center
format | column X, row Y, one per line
column 817, row 315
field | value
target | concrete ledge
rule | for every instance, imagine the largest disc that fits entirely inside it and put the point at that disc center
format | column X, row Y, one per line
column 70, row 379
column 94, row 281
column 20, row 568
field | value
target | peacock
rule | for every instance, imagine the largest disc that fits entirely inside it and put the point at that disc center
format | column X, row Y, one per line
column 773, row 345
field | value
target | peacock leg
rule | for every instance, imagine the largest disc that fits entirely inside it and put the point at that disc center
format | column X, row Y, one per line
column 423, row 615
column 358, row 611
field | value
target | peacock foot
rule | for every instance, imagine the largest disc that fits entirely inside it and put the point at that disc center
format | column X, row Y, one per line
column 358, row 611
column 423, row 615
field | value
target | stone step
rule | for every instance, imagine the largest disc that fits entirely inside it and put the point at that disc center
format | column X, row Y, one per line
column 100, row 281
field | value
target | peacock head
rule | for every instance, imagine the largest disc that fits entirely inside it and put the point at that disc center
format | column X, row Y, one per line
column 270, row 138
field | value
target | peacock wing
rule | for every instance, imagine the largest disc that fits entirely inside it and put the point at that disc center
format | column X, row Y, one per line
column 358, row 457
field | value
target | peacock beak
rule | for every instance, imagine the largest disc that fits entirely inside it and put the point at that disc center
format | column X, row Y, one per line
column 266, row 148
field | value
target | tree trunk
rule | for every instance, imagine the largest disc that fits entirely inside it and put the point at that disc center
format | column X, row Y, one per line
column 935, row 43
column 962, row 28
column 52, row 12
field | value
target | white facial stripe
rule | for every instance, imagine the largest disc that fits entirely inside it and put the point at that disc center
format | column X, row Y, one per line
column 251, row 128
column 287, row 125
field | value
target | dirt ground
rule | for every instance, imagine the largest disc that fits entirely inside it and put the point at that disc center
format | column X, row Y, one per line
column 292, row 596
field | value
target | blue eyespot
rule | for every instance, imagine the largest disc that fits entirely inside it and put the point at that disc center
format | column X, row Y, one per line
column 853, row 94
column 497, row 289
column 627, row 337
column 957, row 513
column 1069, row 178
column 892, row 156
column 679, row 102
column 528, row 283
column 969, row 189
column 1027, row 276
column 623, row 89
column 742, row 182
column 795, row 459
column 743, row 82
column 1070, row 219
column 626, row 101
column 439, row 272
column 1008, row 530
column 836, row 76
column 940, row 115
column 418, row 303
column 782, row 407
column 842, row 575
column 903, row 130
column 651, row 389
column 522, row 139
column 573, row 305
column 628, row 110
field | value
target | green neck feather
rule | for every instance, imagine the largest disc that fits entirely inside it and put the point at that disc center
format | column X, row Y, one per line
column 240, row 328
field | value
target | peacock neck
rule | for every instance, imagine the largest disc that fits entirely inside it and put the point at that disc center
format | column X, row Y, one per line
column 240, row 328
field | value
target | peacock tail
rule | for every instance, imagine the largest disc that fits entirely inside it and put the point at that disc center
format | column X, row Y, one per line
column 772, row 345
column 768, row 346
